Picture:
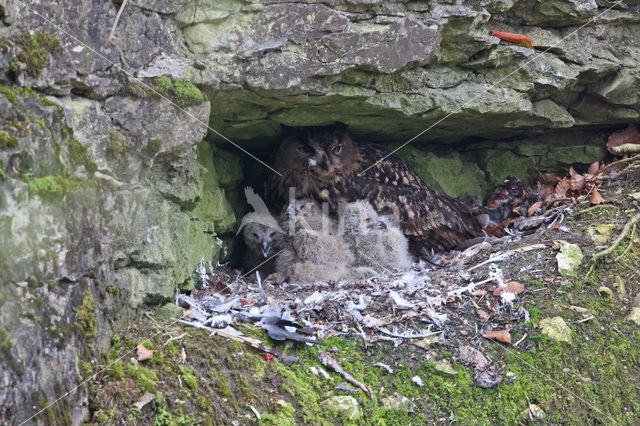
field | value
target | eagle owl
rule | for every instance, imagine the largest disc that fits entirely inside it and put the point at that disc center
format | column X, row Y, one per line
column 325, row 164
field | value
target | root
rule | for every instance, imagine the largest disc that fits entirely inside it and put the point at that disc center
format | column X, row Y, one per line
column 631, row 238
column 619, row 238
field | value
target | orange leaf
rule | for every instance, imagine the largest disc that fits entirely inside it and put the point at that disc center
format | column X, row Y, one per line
column 483, row 315
column 500, row 335
column 144, row 353
column 561, row 188
column 515, row 287
column 593, row 168
column 596, row 198
column 534, row 208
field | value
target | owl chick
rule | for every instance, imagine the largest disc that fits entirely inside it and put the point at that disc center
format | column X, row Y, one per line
column 375, row 241
column 312, row 251
column 263, row 241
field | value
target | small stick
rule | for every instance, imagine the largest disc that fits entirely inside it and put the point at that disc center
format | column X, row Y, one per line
column 633, row 234
column 115, row 24
column 520, row 341
column 618, row 239
column 615, row 163
column 174, row 338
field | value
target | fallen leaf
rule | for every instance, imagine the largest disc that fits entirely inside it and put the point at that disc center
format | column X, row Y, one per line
column 629, row 135
column 561, row 188
column 268, row 356
column 483, row 315
column 500, row 335
column 593, row 168
column 596, row 198
column 515, row 287
column 144, row 353
column 572, row 172
column 479, row 292
column 534, row 208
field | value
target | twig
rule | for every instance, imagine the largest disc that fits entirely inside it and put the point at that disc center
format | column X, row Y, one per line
column 330, row 362
column 115, row 24
column 633, row 234
column 618, row 239
column 615, row 163
column 218, row 410
column 584, row 320
column 520, row 341
column 174, row 338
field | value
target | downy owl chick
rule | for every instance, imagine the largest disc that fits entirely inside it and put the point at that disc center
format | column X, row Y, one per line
column 263, row 241
column 375, row 241
column 313, row 252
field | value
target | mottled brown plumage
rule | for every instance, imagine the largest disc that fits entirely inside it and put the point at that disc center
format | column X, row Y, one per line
column 325, row 164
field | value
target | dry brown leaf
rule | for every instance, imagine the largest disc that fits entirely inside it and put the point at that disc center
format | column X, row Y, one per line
column 483, row 315
column 500, row 335
column 593, row 168
column 561, row 188
column 545, row 179
column 144, row 353
column 596, row 198
column 534, row 208
column 629, row 135
column 572, row 172
column 479, row 292
column 576, row 182
column 515, row 287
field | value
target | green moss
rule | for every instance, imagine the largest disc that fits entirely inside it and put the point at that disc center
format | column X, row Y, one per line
column 6, row 273
column 86, row 318
column 117, row 145
column 181, row 91
column 5, row 349
column 187, row 377
column 146, row 378
column 35, row 49
column 224, row 390
column 111, row 288
column 78, row 152
column 9, row 93
column 51, row 188
column 154, row 145
column 116, row 369
column 32, row 281
column 7, row 140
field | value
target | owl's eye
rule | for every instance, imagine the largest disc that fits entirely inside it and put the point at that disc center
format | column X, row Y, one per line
column 367, row 220
column 304, row 149
column 337, row 149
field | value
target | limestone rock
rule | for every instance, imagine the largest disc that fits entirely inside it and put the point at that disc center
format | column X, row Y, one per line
column 556, row 328
column 569, row 259
column 345, row 406
column 600, row 234
column 396, row 402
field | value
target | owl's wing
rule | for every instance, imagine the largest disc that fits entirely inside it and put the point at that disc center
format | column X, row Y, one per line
column 379, row 164
column 428, row 218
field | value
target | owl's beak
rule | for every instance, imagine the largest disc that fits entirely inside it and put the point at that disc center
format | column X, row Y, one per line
column 325, row 164
column 266, row 247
